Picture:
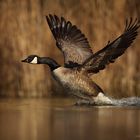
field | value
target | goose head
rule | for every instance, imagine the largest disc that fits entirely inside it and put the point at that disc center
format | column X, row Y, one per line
column 33, row 59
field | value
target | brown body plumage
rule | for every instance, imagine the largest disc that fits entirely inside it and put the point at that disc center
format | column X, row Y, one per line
column 77, row 82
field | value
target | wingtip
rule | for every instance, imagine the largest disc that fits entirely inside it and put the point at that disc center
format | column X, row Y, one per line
column 131, row 24
column 50, row 15
column 47, row 18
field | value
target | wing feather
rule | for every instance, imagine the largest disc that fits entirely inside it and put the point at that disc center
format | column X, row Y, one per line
column 70, row 40
column 113, row 50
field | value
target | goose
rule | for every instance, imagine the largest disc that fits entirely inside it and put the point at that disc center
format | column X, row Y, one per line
column 80, row 63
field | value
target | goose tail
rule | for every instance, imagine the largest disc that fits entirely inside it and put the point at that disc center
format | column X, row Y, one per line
column 102, row 99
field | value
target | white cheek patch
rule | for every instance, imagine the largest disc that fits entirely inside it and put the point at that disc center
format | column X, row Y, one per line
column 34, row 61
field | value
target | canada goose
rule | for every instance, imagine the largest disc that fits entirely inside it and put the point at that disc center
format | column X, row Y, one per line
column 79, row 60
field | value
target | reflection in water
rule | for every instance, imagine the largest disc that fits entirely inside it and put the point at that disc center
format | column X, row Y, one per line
column 56, row 119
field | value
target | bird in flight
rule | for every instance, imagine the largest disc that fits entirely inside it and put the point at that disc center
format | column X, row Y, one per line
column 80, row 63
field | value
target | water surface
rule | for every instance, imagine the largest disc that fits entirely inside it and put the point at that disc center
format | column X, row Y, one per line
column 58, row 119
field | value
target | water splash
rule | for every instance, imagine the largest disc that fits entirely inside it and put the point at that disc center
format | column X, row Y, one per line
column 101, row 99
column 130, row 101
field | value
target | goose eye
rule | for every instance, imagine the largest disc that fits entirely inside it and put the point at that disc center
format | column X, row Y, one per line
column 27, row 60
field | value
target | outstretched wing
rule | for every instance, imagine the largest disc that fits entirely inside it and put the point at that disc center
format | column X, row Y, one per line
column 113, row 50
column 70, row 41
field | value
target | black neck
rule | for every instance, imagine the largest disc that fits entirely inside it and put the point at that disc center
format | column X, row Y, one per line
column 50, row 62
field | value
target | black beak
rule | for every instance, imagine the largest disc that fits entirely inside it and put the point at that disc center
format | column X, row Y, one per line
column 23, row 60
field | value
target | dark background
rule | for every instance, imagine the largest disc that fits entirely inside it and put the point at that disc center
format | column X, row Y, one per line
column 24, row 31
